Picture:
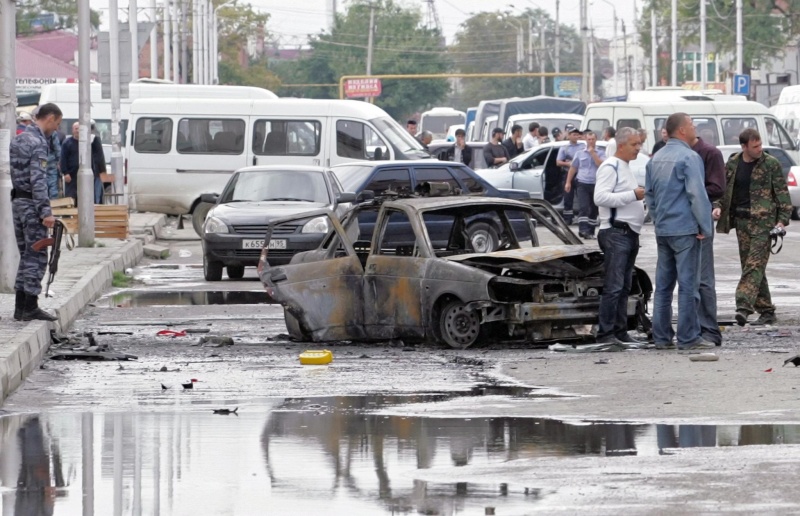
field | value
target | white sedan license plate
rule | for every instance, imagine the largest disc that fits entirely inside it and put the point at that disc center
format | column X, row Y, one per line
column 258, row 244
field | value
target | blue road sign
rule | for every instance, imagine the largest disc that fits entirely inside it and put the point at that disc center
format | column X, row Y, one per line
column 741, row 85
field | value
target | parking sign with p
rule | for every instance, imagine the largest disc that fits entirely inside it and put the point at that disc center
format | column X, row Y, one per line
column 741, row 85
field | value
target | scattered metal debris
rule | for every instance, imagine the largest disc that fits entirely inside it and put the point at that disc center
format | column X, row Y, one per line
column 794, row 360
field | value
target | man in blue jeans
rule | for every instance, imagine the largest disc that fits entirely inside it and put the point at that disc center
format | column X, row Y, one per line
column 618, row 197
column 676, row 196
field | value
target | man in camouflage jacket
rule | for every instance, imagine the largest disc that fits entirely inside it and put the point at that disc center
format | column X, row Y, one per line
column 756, row 201
column 30, row 206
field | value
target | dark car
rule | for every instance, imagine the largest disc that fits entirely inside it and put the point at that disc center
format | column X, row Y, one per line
column 233, row 232
column 399, row 176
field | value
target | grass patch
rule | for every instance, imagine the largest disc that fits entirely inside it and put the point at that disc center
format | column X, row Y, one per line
column 120, row 280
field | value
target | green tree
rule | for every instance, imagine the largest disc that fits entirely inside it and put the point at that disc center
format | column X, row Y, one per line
column 43, row 15
column 768, row 26
column 238, row 23
column 400, row 46
column 487, row 43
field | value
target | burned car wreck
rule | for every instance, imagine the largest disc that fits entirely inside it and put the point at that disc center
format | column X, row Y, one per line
column 404, row 268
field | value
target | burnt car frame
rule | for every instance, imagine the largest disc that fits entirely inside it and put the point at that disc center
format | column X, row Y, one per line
column 541, row 284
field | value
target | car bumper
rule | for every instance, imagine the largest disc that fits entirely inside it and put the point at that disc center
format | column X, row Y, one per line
column 568, row 312
column 230, row 250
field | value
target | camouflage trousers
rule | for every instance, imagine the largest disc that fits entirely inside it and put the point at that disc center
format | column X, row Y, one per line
column 28, row 229
column 752, row 293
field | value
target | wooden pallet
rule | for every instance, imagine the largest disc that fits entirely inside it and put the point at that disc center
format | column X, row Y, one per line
column 110, row 221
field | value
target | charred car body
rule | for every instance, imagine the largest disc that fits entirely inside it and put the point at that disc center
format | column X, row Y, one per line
column 418, row 278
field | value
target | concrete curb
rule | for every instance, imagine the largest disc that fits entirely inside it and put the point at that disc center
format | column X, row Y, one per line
column 24, row 351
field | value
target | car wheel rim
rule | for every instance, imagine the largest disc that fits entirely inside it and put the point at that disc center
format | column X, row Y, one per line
column 461, row 326
column 481, row 241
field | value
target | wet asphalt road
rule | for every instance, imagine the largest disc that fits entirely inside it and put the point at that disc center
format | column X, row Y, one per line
column 373, row 433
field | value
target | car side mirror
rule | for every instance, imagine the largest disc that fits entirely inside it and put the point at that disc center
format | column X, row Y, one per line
column 210, row 198
column 513, row 166
column 345, row 197
column 365, row 195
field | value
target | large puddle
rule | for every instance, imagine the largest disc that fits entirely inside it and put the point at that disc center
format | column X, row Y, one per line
column 149, row 298
column 334, row 455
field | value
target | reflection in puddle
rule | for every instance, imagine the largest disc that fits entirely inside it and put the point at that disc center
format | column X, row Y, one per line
column 330, row 455
column 146, row 298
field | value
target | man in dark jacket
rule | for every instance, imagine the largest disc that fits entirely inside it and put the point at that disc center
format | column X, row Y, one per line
column 513, row 143
column 70, row 163
column 460, row 152
column 714, row 167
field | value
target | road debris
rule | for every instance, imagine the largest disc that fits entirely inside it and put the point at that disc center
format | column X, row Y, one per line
column 704, row 357
column 794, row 360
column 596, row 348
column 171, row 333
column 226, row 412
column 190, row 383
column 602, row 361
column 92, row 356
column 216, row 341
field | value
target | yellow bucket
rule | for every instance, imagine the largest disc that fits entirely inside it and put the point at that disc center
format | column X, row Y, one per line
column 316, row 357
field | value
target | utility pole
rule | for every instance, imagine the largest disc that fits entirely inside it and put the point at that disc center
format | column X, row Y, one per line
column 557, row 60
column 543, row 63
column 133, row 22
column 195, row 43
column 739, row 39
column 207, row 41
column 703, row 51
column 176, row 35
column 85, row 175
column 674, row 43
column 584, row 53
column 154, row 42
column 166, row 26
column 628, row 81
column 591, row 64
column 9, row 255
column 615, row 62
column 530, row 44
column 113, row 70
column 370, row 37
column 653, row 49
column 184, row 67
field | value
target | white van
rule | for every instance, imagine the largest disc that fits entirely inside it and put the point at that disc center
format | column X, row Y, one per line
column 718, row 122
column 67, row 97
column 787, row 110
column 183, row 148
column 439, row 119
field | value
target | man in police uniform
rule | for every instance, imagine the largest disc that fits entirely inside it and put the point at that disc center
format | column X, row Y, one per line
column 31, row 208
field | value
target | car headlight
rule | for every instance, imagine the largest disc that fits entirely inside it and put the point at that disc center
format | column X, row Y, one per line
column 316, row 225
column 214, row 225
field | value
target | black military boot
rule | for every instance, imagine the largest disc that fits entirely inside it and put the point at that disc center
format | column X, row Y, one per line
column 19, row 305
column 32, row 312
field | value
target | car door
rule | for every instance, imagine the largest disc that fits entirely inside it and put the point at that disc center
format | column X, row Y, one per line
column 532, row 172
column 393, row 279
column 322, row 289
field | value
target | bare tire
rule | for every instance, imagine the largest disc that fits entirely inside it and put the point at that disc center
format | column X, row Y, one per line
column 212, row 270
column 235, row 271
column 458, row 327
column 199, row 216
column 483, row 237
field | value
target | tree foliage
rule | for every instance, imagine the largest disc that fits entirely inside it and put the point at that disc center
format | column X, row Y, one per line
column 487, row 42
column 400, row 46
column 240, row 24
column 767, row 27
column 42, row 15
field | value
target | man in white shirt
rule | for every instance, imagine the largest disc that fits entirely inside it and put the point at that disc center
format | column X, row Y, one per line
column 611, row 143
column 531, row 139
column 619, row 199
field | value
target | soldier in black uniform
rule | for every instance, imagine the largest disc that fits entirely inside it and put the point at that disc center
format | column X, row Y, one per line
column 30, row 205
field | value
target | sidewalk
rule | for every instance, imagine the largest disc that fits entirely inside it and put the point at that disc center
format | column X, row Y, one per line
column 83, row 274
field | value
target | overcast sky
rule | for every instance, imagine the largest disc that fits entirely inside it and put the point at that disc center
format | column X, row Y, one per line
column 292, row 22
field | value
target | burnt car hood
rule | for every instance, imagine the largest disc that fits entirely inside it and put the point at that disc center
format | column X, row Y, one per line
column 256, row 212
column 552, row 260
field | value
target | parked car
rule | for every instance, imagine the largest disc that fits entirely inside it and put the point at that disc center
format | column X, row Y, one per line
column 540, row 284
column 233, row 232
column 537, row 172
column 399, row 176
column 791, row 170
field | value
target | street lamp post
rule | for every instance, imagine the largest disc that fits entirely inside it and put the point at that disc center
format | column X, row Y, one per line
column 616, row 57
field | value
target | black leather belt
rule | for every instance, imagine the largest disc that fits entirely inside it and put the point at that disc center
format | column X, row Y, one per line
column 20, row 194
column 621, row 225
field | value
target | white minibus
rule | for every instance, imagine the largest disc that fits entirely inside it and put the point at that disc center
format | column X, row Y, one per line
column 718, row 122
column 184, row 148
